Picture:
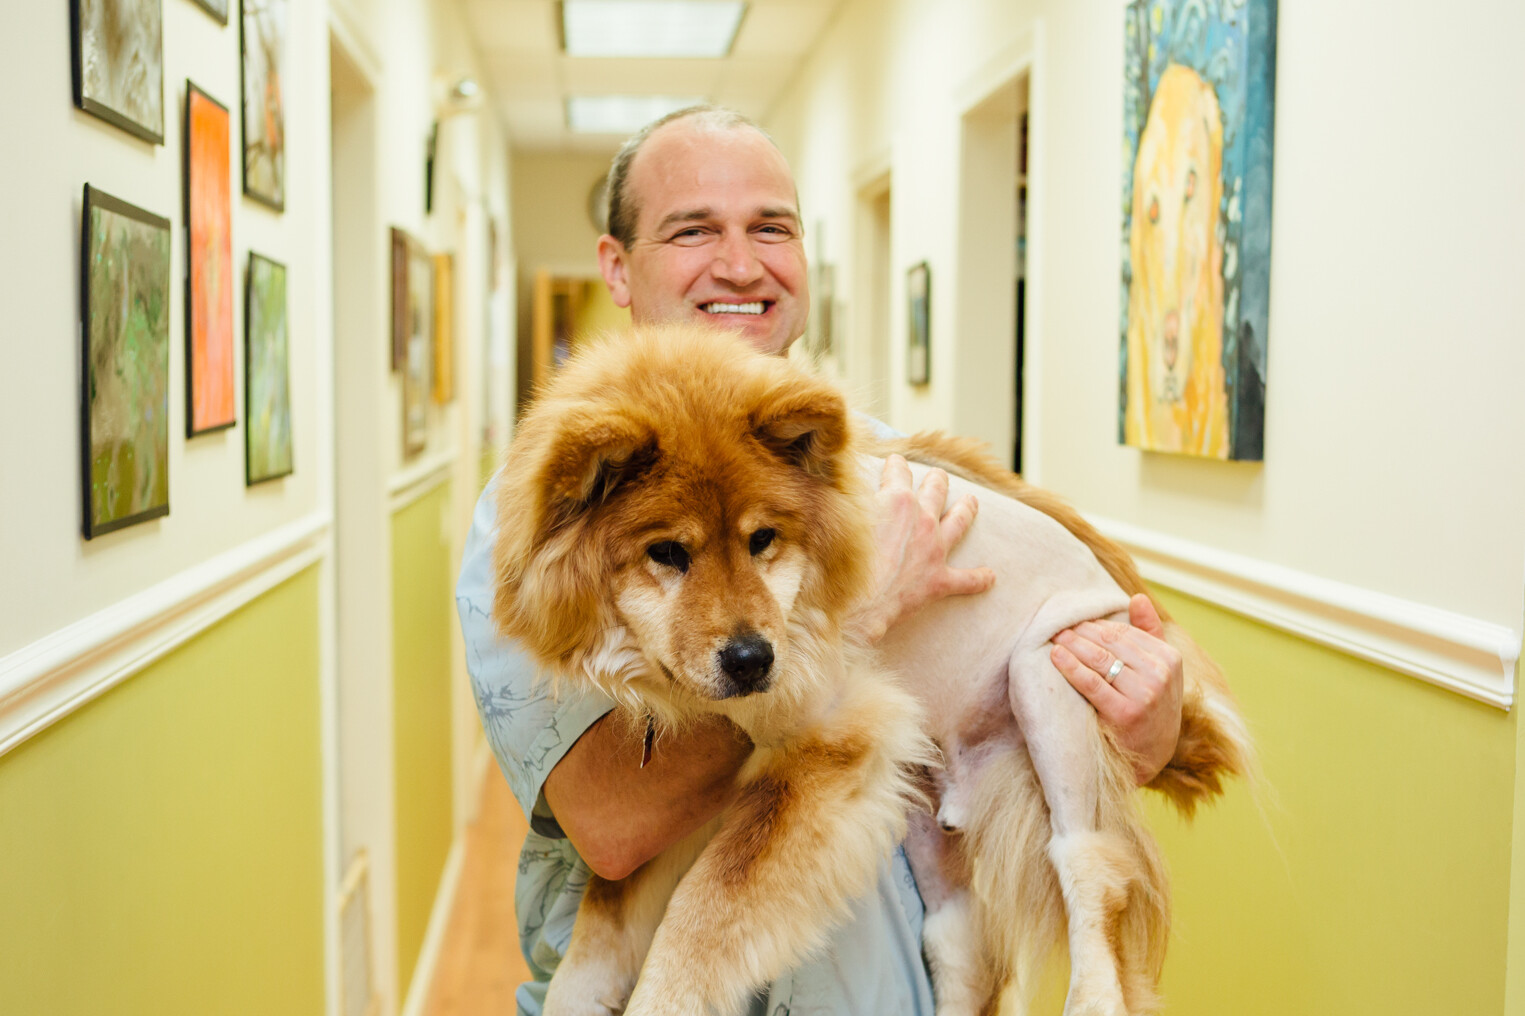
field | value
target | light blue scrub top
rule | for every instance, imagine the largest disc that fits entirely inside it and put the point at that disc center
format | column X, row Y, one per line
column 872, row 966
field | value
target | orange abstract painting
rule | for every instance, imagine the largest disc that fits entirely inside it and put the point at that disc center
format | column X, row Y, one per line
column 209, row 298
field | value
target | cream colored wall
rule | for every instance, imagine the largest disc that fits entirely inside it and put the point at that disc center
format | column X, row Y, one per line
column 1395, row 439
column 53, row 577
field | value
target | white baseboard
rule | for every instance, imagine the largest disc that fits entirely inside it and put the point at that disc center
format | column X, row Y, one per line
column 43, row 682
column 1463, row 654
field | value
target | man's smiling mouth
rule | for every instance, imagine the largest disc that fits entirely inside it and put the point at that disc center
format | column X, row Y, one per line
column 755, row 307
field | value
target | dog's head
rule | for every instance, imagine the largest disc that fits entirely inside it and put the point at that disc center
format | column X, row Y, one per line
column 1175, row 302
column 676, row 510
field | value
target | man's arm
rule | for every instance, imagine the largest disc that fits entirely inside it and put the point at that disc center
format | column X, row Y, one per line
column 619, row 815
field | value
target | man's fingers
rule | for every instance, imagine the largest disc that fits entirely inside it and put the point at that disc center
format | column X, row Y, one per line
column 897, row 472
column 1084, row 679
column 958, row 520
column 933, row 492
column 1098, row 643
column 965, row 581
column 1143, row 615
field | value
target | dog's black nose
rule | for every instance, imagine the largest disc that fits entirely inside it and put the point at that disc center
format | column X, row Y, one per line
column 746, row 660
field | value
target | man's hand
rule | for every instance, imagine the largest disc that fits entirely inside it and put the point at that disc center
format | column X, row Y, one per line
column 914, row 538
column 1142, row 704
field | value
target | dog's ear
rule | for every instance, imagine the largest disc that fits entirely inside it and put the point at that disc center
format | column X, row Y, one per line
column 591, row 455
column 803, row 422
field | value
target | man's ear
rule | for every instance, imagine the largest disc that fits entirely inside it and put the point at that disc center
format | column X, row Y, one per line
column 616, row 273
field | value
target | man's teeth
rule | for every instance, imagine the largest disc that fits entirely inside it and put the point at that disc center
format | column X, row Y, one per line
column 734, row 308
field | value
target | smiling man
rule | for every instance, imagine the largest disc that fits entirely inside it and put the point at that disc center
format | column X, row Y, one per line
column 704, row 225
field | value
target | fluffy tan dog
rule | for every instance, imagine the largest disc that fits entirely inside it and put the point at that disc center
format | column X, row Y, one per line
column 1177, row 399
column 686, row 524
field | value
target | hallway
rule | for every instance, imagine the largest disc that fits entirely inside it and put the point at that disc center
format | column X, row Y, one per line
column 280, row 274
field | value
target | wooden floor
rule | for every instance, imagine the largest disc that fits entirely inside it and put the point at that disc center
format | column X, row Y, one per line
column 480, row 965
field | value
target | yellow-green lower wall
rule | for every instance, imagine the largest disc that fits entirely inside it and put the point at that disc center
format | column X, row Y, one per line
column 422, row 618
column 161, row 849
column 1379, row 879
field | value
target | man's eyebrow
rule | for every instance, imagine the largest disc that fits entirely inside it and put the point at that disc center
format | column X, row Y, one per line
column 701, row 214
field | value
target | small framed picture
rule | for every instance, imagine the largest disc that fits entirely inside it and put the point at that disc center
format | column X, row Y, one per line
column 444, row 328
column 209, row 387
column 264, row 81
column 124, row 326
column 402, row 247
column 918, row 287
column 418, row 366
column 119, row 63
column 267, row 373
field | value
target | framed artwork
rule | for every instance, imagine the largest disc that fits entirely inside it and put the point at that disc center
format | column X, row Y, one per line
column 267, row 373
column 402, row 327
column 210, row 403
column 119, row 63
column 1199, row 87
column 124, row 326
column 918, row 288
column 216, row 8
column 264, row 74
column 420, row 351
column 444, row 338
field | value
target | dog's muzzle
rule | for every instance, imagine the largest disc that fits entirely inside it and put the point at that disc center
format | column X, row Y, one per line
column 745, row 662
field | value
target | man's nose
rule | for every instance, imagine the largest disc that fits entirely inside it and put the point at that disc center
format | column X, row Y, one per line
column 736, row 262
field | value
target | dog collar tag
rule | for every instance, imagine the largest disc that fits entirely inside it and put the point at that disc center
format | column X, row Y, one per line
column 651, row 733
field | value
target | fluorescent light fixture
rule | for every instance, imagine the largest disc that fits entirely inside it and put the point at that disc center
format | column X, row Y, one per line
column 620, row 114
column 650, row 28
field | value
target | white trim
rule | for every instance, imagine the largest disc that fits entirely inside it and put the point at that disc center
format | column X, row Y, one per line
column 412, row 483
column 1463, row 654
column 434, row 935
column 1037, row 275
column 49, row 679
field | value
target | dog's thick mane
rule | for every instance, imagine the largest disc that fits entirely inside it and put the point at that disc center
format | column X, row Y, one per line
column 665, row 403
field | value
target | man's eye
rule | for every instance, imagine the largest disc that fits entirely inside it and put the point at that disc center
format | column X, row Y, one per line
column 761, row 539
column 670, row 554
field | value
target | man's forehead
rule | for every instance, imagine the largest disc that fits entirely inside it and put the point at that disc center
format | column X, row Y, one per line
column 682, row 158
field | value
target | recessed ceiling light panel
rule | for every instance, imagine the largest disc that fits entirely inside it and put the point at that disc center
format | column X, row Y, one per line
column 650, row 28
column 620, row 114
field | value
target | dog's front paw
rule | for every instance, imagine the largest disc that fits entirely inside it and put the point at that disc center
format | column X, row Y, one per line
column 653, row 1000
column 586, row 991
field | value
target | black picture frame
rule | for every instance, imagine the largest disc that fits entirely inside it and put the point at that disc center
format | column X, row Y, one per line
column 918, row 291
column 218, row 9
column 255, row 149
column 192, row 92
column 254, row 374
column 93, row 100
column 150, row 421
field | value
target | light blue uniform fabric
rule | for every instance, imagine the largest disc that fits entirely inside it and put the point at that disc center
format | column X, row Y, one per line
column 871, row 967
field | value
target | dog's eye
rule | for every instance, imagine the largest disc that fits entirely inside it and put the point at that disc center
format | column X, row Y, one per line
column 669, row 553
column 761, row 539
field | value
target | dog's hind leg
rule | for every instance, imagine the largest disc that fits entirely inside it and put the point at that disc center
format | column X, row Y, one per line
column 614, row 927
column 1094, row 867
column 963, row 982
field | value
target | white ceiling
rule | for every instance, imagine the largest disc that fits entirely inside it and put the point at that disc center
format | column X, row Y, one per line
column 529, row 78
